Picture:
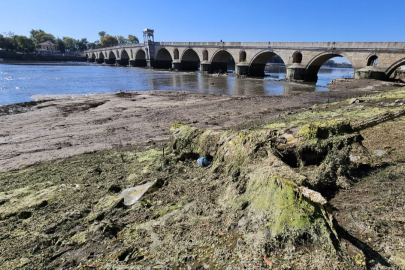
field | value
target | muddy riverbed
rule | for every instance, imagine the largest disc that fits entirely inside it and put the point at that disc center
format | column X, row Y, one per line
column 304, row 181
column 58, row 127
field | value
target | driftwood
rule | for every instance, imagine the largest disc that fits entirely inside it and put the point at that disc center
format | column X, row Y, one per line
column 377, row 120
column 313, row 195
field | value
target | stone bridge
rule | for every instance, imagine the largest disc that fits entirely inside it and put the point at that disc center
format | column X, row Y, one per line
column 375, row 60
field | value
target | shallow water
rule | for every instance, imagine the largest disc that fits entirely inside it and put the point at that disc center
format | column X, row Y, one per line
column 18, row 82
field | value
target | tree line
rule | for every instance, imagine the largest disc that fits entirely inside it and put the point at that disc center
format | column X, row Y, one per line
column 19, row 43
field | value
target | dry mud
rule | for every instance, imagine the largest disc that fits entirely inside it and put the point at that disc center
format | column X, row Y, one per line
column 292, row 185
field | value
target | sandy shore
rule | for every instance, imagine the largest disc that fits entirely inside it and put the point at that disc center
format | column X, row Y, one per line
column 63, row 126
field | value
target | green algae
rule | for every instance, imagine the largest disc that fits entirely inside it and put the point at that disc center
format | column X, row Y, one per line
column 245, row 163
column 149, row 155
column 324, row 129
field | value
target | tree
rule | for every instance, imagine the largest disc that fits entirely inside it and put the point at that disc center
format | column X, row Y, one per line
column 9, row 34
column 82, row 44
column 39, row 36
column 330, row 63
column 23, row 44
column 2, row 42
column 9, row 43
column 102, row 34
column 109, row 41
column 60, row 45
column 132, row 39
column 70, row 43
column 94, row 45
column 121, row 40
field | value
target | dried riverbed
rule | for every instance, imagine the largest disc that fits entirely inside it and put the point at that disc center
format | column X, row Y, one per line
column 249, row 209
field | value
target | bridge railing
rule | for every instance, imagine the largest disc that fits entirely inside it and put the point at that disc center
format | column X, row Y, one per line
column 129, row 46
column 292, row 45
column 274, row 45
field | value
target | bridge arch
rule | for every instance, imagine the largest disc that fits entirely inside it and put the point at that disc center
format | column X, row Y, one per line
column 91, row 57
column 140, row 58
column 112, row 58
column 176, row 54
column 190, row 60
column 100, row 57
column 394, row 67
column 372, row 60
column 205, row 55
column 297, row 57
column 163, row 59
column 220, row 60
column 242, row 56
column 258, row 62
column 312, row 68
column 124, row 61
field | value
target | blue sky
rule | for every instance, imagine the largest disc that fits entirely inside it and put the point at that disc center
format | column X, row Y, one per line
column 189, row 20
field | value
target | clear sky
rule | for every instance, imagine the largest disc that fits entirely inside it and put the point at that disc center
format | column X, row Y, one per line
column 211, row 20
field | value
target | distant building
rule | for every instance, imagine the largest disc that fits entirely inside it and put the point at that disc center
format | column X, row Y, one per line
column 49, row 46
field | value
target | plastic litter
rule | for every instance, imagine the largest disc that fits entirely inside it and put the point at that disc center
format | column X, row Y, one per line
column 203, row 162
column 132, row 195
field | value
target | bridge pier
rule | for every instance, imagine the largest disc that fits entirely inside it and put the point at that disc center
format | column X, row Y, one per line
column 150, row 63
column 109, row 62
column 242, row 69
column 99, row 60
column 369, row 73
column 219, row 67
column 295, row 73
column 257, row 70
column 91, row 60
column 176, row 65
column 138, row 63
column 205, row 67
column 123, row 62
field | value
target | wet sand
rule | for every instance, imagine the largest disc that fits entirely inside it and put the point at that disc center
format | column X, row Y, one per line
column 57, row 127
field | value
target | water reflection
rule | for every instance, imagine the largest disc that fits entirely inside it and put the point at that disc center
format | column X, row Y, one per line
column 19, row 82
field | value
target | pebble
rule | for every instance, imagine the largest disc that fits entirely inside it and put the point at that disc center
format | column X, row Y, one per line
column 379, row 152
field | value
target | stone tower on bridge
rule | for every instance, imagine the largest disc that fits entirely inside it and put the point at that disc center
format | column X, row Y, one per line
column 148, row 41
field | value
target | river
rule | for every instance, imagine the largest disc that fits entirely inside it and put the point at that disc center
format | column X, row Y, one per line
column 18, row 82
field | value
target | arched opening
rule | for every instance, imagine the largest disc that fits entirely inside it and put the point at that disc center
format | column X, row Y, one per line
column 100, row 58
column 222, row 62
column 190, row 60
column 140, row 59
column 372, row 61
column 124, row 61
column 327, row 67
column 205, row 55
column 176, row 54
column 111, row 59
column 297, row 58
column 397, row 71
column 91, row 57
column 163, row 59
column 267, row 63
column 242, row 56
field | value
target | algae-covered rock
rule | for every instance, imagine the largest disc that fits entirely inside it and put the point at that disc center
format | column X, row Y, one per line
column 268, row 185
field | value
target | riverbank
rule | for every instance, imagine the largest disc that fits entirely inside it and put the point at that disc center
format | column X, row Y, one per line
column 261, row 203
column 10, row 57
column 58, row 127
